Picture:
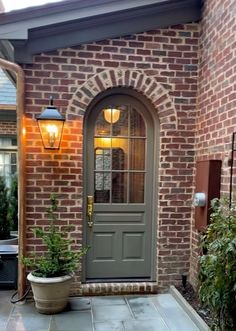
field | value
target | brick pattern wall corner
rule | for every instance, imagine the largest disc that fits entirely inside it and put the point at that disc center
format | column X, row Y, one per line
column 216, row 114
column 164, row 61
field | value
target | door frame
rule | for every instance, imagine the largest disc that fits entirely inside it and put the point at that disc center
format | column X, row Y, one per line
column 155, row 187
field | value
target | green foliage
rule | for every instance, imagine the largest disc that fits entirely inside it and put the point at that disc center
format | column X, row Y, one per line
column 5, row 222
column 59, row 259
column 218, row 265
column 13, row 203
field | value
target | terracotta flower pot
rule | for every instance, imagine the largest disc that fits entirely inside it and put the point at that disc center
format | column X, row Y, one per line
column 50, row 294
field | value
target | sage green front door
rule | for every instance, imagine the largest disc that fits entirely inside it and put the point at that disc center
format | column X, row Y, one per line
column 119, row 174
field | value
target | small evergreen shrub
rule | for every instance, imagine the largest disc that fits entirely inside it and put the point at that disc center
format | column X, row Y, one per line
column 59, row 259
column 13, row 203
column 5, row 221
column 218, row 265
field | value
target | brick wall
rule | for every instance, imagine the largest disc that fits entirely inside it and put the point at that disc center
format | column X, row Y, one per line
column 216, row 115
column 162, row 65
column 7, row 128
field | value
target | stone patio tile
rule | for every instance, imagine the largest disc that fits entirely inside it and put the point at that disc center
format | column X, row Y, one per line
column 108, row 300
column 146, row 325
column 108, row 326
column 5, row 308
column 24, row 308
column 72, row 321
column 79, row 304
column 111, row 313
column 173, row 315
column 5, row 311
column 143, row 308
column 28, row 322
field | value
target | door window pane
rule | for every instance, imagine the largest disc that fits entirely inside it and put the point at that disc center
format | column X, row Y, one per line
column 137, row 154
column 102, row 128
column 102, row 159
column 136, row 187
column 102, row 181
column 120, row 128
column 137, row 124
column 102, row 187
column 102, row 143
column 119, row 187
column 119, row 154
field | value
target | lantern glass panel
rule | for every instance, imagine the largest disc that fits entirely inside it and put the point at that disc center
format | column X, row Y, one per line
column 51, row 133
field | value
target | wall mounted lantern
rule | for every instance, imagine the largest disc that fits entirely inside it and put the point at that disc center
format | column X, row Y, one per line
column 51, row 124
column 111, row 115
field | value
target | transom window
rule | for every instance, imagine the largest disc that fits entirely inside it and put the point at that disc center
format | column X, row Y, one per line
column 119, row 154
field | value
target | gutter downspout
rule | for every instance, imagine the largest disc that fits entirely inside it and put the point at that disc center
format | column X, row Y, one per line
column 20, row 103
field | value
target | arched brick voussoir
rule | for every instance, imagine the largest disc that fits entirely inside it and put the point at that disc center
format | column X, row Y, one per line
column 137, row 80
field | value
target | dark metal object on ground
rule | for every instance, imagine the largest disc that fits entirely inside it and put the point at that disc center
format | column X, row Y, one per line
column 8, row 266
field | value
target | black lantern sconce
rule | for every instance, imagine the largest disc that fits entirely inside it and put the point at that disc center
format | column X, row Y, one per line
column 51, row 124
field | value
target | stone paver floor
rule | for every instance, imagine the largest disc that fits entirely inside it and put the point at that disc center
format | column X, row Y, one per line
column 111, row 313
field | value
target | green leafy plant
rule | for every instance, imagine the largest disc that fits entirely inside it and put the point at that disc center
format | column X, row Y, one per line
column 5, row 221
column 59, row 259
column 13, row 203
column 218, row 265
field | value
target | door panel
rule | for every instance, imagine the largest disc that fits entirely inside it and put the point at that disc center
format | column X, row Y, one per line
column 133, row 246
column 103, row 246
column 120, row 177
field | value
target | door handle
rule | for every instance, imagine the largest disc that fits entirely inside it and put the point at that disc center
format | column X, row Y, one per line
column 90, row 210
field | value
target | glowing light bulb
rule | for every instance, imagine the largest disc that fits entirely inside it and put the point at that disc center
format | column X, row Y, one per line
column 52, row 131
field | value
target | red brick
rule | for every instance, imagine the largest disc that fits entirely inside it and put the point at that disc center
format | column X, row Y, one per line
column 155, row 54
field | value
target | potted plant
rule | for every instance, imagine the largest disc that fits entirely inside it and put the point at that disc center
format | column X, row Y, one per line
column 53, row 272
column 218, row 265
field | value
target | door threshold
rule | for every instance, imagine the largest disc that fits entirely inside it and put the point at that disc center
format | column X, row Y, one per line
column 119, row 288
column 118, row 280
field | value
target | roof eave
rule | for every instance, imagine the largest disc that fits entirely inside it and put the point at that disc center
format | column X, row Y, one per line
column 159, row 14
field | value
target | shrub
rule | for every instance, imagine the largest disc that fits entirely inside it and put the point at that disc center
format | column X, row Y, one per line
column 5, row 222
column 59, row 259
column 13, row 203
column 218, row 265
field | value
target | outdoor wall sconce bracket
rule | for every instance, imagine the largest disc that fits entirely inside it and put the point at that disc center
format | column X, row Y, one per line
column 51, row 124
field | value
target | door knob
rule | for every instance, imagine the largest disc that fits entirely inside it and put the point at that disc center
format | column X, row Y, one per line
column 90, row 210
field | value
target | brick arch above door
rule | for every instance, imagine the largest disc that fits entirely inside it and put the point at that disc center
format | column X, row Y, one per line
column 136, row 80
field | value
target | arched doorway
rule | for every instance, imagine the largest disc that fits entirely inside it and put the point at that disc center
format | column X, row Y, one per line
column 120, row 163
